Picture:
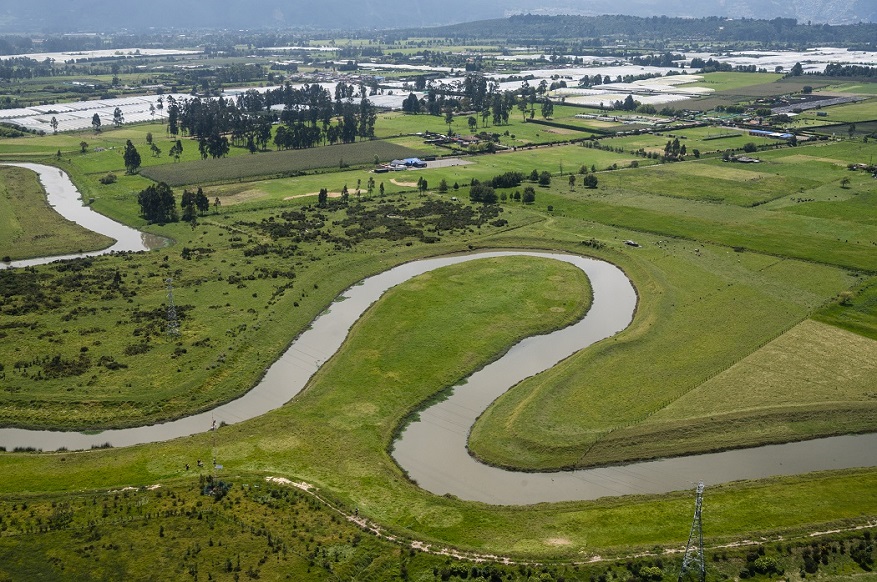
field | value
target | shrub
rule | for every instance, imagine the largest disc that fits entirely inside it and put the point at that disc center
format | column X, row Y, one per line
column 766, row 565
column 544, row 178
column 110, row 178
column 507, row 180
column 590, row 181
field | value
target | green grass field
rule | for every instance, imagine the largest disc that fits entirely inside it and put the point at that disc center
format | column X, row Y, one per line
column 713, row 309
column 740, row 267
column 848, row 112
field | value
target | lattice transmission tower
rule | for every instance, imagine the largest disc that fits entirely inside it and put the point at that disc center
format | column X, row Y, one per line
column 693, row 563
column 173, row 324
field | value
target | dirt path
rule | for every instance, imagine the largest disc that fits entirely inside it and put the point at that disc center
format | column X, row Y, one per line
column 331, row 195
column 403, row 184
column 377, row 531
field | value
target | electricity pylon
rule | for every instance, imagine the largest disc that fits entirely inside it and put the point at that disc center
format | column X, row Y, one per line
column 173, row 324
column 693, row 562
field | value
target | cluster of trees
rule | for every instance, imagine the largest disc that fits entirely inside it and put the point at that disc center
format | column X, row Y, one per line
column 303, row 130
column 542, row 178
column 158, row 204
column 507, row 180
column 476, row 94
column 192, row 201
column 629, row 104
column 486, row 192
column 838, row 70
column 588, row 180
column 131, row 157
column 667, row 59
column 674, row 150
column 24, row 68
column 308, row 116
column 712, row 65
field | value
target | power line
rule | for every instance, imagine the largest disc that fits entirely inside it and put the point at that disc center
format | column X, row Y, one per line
column 694, row 549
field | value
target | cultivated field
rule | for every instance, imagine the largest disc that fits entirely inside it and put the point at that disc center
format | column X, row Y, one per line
column 282, row 163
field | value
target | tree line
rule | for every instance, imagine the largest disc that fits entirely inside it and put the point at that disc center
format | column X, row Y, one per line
column 310, row 117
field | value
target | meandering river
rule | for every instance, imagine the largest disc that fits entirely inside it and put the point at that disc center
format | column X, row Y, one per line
column 64, row 197
column 433, row 450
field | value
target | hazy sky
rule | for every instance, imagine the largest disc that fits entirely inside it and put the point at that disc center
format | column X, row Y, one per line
column 109, row 15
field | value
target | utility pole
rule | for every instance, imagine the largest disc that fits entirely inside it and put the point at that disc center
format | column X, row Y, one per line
column 693, row 563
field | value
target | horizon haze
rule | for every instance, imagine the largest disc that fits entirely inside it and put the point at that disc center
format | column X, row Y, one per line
column 64, row 16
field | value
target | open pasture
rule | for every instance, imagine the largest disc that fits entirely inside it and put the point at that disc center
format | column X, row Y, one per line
column 855, row 312
column 748, row 93
column 714, row 308
column 860, row 207
column 804, row 381
column 814, row 239
column 711, row 181
column 859, row 129
column 807, row 366
column 863, row 88
column 727, row 81
column 704, row 139
column 846, row 112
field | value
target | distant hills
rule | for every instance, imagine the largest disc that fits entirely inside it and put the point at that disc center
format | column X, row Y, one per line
column 60, row 16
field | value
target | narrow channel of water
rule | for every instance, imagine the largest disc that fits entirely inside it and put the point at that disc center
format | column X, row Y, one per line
column 66, row 199
column 433, row 450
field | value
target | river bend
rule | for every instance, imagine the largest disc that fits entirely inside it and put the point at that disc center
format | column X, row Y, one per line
column 433, row 450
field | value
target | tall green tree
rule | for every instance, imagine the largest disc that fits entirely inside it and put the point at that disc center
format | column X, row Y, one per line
column 201, row 201
column 449, row 119
column 132, row 158
column 187, row 203
column 547, row 108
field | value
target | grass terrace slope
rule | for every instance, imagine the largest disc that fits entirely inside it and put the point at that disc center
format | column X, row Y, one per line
column 702, row 309
column 282, row 163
